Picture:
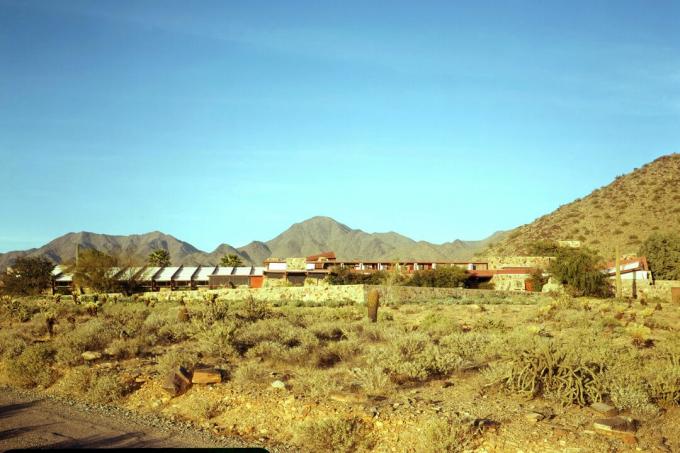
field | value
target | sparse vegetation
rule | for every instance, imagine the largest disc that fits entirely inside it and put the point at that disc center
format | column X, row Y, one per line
column 562, row 351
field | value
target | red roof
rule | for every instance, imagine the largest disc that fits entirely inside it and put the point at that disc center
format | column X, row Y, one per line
column 330, row 256
column 643, row 266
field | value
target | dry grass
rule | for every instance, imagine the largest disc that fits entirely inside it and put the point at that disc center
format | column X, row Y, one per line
column 566, row 351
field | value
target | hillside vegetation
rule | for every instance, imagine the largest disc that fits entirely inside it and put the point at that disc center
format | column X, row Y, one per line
column 625, row 212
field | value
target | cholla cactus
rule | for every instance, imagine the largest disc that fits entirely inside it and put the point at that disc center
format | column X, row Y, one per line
column 92, row 308
column 183, row 314
column 372, row 304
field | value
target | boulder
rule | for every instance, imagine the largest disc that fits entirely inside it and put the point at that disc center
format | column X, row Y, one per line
column 604, row 409
column 177, row 382
column 623, row 428
column 206, row 376
column 615, row 425
column 91, row 355
column 279, row 384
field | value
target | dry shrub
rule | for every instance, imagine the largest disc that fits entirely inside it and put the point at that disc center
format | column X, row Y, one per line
column 412, row 356
column 218, row 340
column 373, row 380
column 347, row 349
column 32, row 367
column 128, row 317
column 172, row 359
column 328, row 331
column 93, row 385
column 203, row 408
column 333, row 434
column 447, row 434
column 162, row 326
column 122, row 348
column 664, row 372
column 11, row 344
column 471, row 346
column 93, row 335
column 437, row 326
column 248, row 373
column 315, row 383
column 299, row 342
column 374, row 333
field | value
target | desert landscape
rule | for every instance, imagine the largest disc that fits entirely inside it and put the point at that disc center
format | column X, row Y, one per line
column 358, row 226
column 522, row 372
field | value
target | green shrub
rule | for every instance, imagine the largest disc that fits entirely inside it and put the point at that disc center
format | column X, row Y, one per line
column 663, row 254
column 441, row 277
column 579, row 270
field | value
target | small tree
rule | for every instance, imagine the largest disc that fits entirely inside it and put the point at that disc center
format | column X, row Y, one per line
column 538, row 280
column 581, row 273
column 27, row 277
column 663, row 255
column 231, row 260
column 159, row 257
column 441, row 277
column 94, row 271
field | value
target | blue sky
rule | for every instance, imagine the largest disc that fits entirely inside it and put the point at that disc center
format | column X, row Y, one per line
column 225, row 121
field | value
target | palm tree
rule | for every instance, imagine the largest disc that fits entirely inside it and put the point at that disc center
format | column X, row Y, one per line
column 231, row 260
column 159, row 257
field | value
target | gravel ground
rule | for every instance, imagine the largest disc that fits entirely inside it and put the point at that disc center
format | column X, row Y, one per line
column 29, row 420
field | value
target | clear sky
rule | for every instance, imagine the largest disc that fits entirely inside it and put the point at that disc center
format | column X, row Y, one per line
column 227, row 121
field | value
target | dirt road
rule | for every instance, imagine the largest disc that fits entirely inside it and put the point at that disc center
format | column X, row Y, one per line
column 28, row 421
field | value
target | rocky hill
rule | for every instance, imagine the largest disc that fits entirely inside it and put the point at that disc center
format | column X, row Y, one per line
column 624, row 212
column 305, row 238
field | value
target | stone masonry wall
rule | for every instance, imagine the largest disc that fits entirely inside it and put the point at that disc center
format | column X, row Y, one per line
column 347, row 293
column 499, row 262
column 321, row 293
column 660, row 288
column 413, row 294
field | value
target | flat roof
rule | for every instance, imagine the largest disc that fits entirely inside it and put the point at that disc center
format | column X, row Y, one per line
column 224, row 270
column 204, row 272
column 244, row 270
column 149, row 273
column 166, row 273
column 186, row 273
column 129, row 273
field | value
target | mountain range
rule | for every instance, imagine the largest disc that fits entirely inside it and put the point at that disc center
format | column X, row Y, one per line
column 309, row 237
column 623, row 213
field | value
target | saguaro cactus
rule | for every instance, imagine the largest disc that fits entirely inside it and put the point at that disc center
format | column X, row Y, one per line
column 372, row 304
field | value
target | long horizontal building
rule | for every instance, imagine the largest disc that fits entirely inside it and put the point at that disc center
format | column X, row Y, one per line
column 153, row 278
column 297, row 270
